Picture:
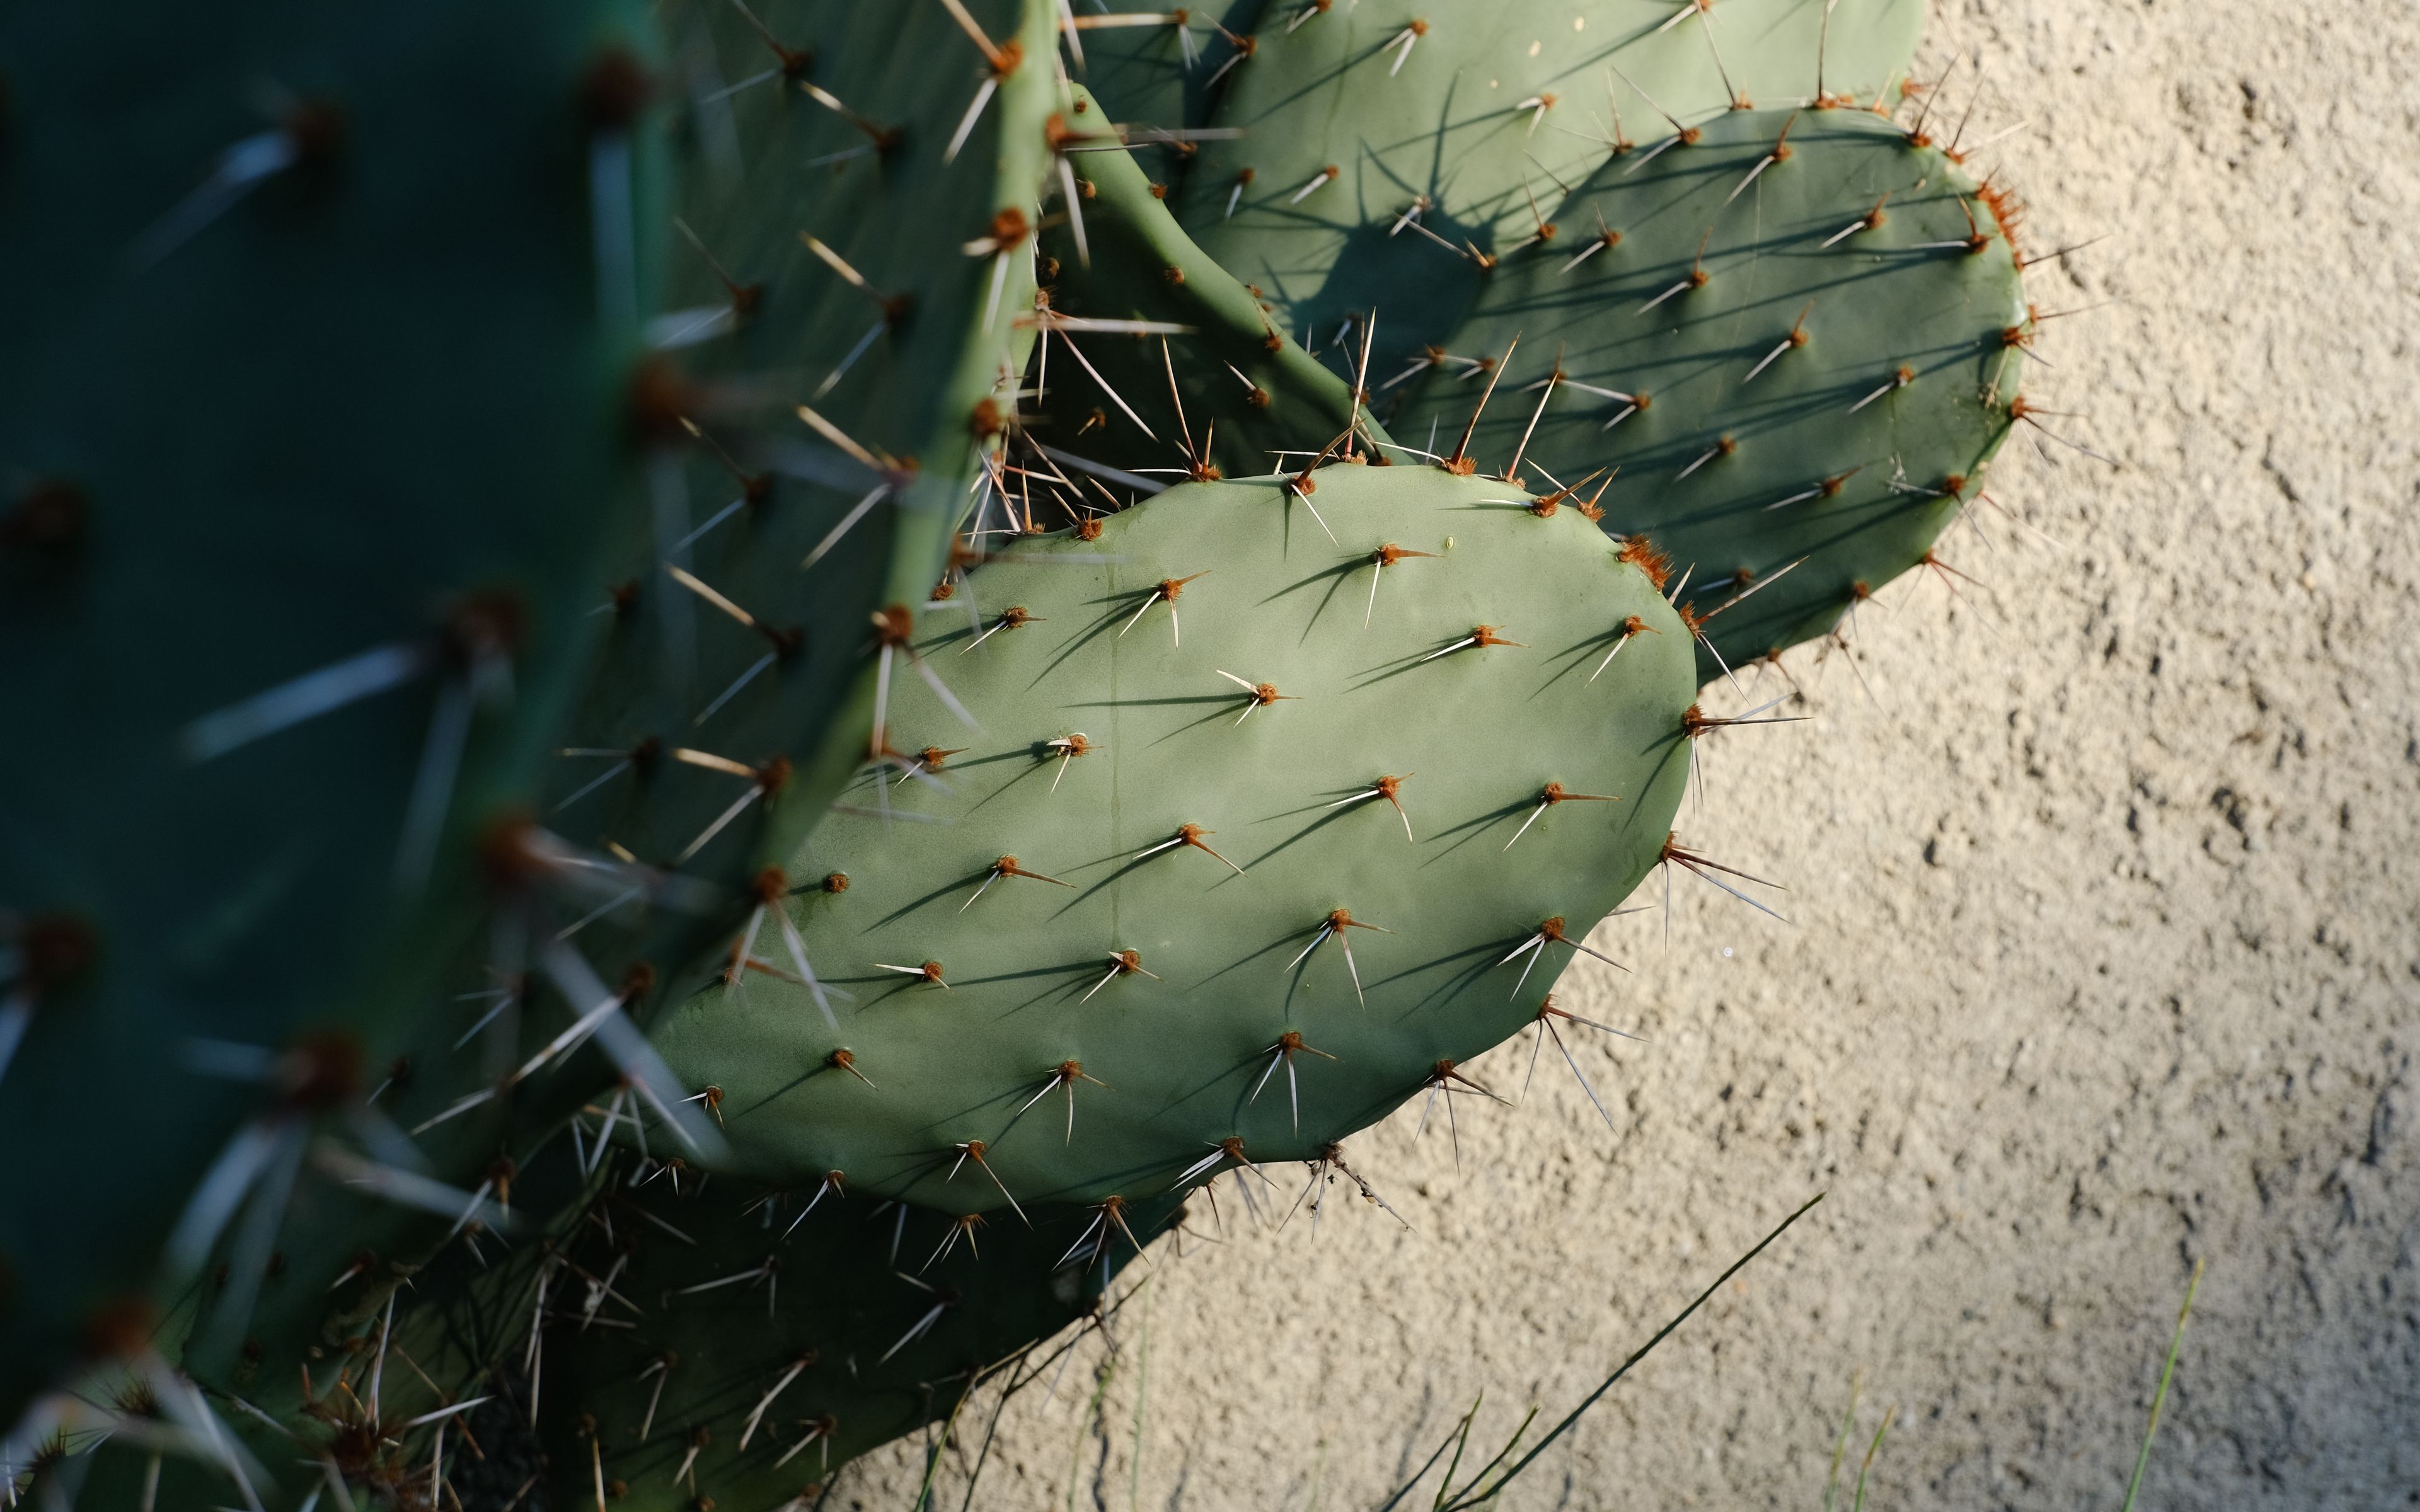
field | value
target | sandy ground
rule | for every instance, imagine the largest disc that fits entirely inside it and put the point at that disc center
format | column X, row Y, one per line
column 2104, row 958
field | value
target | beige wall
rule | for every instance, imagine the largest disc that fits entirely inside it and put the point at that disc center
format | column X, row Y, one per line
column 2105, row 956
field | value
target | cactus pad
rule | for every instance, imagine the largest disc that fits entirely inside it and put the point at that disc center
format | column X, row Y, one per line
column 1239, row 852
column 328, row 379
column 705, row 744
column 1805, row 372
column 775, row 1344
column 1483, row 112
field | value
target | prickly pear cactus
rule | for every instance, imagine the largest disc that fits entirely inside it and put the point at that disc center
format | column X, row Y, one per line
column 750, row 1346
column 466, row 971
column 1392, row 151
column 1288, row 795
column 729, row 698
column 416, row 1403
column 1794, row 365
column 1152, row 352
column 330, row 374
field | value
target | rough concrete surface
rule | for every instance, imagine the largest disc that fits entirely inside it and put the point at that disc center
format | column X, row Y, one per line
column 2103, row 961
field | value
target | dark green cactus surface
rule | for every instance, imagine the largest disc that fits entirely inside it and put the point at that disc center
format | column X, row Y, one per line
column 767, row 1345
column 1160, row 73
column 395, row 369
column 1076, row 951
column 1800, row 356
column 706, row 743
column 1352, row 114
column 321, row 345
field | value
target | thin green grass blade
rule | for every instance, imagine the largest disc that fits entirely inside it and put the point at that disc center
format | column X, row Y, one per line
column 933, row 1455
column 1871, row 1450
column 1642, row 1353
column 1501, row 1455
column 1461, row 1442
column 2159, row 1398
column 1418, row 1476
column 1841, row 1444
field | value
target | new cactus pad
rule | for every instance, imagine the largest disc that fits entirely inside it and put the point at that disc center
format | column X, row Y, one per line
column 1218, row 381
column 1288, row 795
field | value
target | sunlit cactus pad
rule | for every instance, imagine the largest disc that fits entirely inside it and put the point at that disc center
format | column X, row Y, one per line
column 1800, row 355
column 1205, row 746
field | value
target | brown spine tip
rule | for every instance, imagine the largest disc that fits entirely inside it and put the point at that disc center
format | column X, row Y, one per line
column 50, row 514
column 53, row 948
column 315, row 130
column 509, row 852
column 657, row 399
column 1009, row 228
column 118, row 1328
column 613, row 91
column 483, row 624
column 320, row 1071
column 1638, row 552
column 836, row 882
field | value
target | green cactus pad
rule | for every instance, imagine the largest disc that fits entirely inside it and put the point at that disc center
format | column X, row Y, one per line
column 1353, row 768
column 1821, row 393
column 906, row 378
column 1491, row 109
column 1248, row 392
column 840, row 1322
column 322, row 336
